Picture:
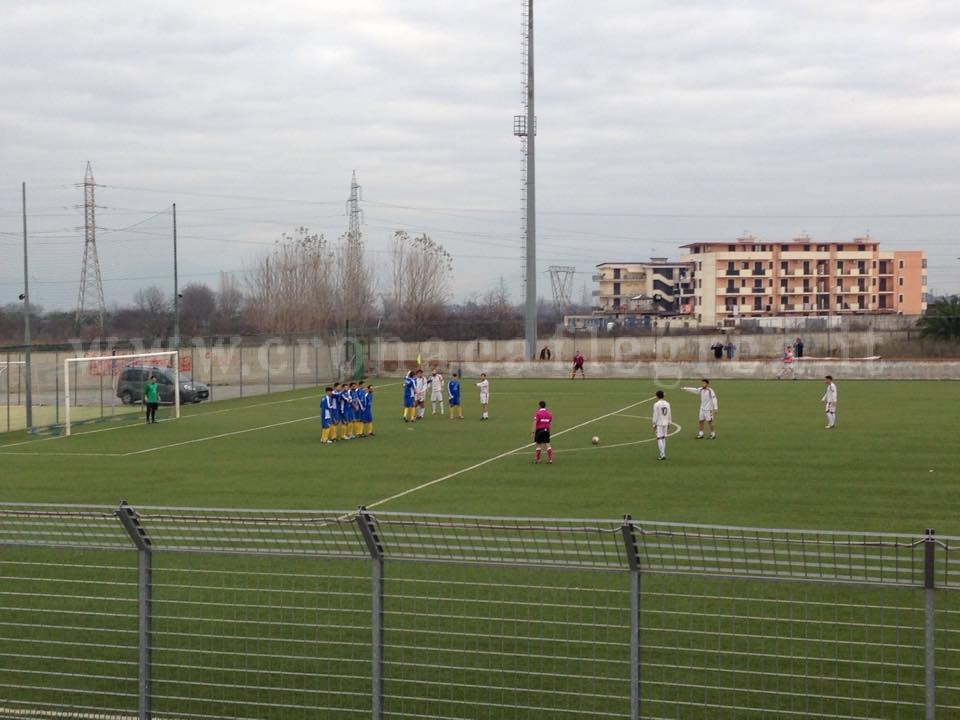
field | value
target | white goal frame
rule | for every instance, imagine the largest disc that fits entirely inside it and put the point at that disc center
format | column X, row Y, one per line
column 123, row 361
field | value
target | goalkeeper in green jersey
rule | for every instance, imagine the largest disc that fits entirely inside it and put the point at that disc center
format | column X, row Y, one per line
column 151, row 398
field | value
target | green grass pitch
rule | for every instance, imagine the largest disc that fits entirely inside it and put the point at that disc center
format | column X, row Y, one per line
column 271, row 636
column 892, row 464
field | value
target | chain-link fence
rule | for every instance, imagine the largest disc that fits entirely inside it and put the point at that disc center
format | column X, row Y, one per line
column 224, row 369
column 185, row 613
column 241, row 367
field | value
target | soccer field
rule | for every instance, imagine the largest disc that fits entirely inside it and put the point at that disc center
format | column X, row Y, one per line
column 890, row 465
column 253, row 617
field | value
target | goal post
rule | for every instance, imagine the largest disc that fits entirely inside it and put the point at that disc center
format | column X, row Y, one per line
column 121, row 370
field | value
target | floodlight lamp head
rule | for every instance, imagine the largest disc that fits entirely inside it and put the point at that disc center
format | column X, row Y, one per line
column 22, row 296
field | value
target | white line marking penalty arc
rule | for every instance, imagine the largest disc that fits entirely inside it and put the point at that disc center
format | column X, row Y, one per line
column 678, row 427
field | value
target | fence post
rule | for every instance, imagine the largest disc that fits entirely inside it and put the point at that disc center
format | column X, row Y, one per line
column 131, row 523
column 929, row 560
column 368, row 528
column 633, row 560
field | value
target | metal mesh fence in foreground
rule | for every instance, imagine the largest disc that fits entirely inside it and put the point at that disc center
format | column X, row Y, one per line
column 185, row 613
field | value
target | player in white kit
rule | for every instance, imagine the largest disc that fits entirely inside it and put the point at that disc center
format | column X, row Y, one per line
column 708, row 406
column 420, row 393
column 661, row 424
column 484, row 386
column 436, row 391
column 829, row 401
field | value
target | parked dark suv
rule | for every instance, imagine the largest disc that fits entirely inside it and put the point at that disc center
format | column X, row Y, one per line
column 132, row 379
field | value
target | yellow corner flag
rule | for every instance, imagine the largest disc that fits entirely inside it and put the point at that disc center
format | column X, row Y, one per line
column 418, row 360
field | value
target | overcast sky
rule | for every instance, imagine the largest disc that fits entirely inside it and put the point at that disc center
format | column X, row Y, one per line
column 659, row 124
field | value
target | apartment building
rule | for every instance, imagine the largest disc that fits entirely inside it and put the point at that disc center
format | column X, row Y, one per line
column 656, row 287
column 751, row 278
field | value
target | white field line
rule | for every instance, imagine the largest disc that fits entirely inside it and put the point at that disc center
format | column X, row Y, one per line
column 618, row 445
column 499, row 457
column 194, row 441
column 185, row 417
column 62, row 454
column 163, row 420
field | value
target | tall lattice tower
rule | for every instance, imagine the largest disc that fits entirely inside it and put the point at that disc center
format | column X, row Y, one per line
column 354, row 213
column 561, row 280
column 353, row 273
column 525, row 127
column 90, row 299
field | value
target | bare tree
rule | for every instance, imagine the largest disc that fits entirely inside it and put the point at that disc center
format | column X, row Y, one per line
column 291, row 289
column 197, row 307
column 154, row 309
column 229, row 305
column 422, row 278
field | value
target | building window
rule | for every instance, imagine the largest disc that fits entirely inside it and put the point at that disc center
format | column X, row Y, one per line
column 900, row 299
column 616, row 289
column 616, row 273
column 901, row 264
column 806, row 299
column 732, row 248
column 861, row 248
column 923, row 263
column 839, row 248
column 900, row 283
column 806, row 248
column 700, row 284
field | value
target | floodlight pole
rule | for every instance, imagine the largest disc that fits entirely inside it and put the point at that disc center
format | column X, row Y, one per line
column 26, row 315
column 531, row 260
column 176, row 289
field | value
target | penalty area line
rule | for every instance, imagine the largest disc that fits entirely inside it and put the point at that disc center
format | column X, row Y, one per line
column 499, row 457
column 194, row 441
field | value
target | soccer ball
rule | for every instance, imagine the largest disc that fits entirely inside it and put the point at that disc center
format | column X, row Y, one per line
column 595, row 440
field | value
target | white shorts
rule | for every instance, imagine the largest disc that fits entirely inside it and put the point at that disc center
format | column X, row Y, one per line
column 484, row 398
column 830, row 407
column 662, row 431
column 706, row 415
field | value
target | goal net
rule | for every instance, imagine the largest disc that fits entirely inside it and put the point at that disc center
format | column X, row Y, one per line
column 111, row 387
